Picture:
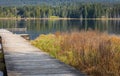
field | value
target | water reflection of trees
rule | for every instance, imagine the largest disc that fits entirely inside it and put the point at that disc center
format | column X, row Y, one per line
column 51, row 26
column 115, row 27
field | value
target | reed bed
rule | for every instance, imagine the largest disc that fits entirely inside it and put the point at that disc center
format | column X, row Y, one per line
column 92, row 52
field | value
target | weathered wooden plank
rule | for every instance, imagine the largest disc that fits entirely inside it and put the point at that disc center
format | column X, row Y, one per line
column 22, row 59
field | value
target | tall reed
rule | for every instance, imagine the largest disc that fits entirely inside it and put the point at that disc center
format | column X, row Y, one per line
column 91, row 52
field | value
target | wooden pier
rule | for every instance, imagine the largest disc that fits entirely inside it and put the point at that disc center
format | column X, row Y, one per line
column 22, row 59
column 17, row 29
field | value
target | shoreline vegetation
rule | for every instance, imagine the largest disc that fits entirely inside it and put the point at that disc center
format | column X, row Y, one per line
column 59, row 18
column 91, row 52
column 1, row 60
column 72, row 10
column 2, row 64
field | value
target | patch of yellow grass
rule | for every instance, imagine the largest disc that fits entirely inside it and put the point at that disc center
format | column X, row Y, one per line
column 54, row 17
column 91, row 52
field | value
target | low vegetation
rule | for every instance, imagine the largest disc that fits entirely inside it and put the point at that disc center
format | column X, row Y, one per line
column 91, row 52
column 2, row 65
column 52, row 17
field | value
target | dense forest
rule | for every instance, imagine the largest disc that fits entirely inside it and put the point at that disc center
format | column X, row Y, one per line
column 50, row 2
column 69, row 10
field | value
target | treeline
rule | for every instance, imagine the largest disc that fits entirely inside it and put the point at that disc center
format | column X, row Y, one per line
column 77, row 10
column 51, row 2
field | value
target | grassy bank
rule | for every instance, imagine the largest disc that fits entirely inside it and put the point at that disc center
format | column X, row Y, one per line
column 58, row 18
column 91, row 52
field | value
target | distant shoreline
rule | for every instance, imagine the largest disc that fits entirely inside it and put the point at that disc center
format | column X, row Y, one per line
column 59, row 18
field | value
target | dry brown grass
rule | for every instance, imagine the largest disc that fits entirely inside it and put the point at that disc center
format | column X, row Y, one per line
column 91, row 52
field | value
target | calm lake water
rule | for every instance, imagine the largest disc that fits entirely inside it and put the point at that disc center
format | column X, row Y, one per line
column 37, row 27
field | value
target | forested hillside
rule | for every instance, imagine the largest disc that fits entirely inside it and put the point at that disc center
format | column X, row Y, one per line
column 78, row 10
column 50, row 2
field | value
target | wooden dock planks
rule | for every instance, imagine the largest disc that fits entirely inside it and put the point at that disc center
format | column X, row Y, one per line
column 22, row 59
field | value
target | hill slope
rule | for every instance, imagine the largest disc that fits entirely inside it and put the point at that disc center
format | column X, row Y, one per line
column 51, row 2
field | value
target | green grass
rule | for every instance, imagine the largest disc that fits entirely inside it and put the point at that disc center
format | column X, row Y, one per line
column 52, row 17
column 2, row 65
column 1, row 56
column 91, row 52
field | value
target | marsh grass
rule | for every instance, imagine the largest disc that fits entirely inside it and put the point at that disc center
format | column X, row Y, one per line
column 91, row 52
